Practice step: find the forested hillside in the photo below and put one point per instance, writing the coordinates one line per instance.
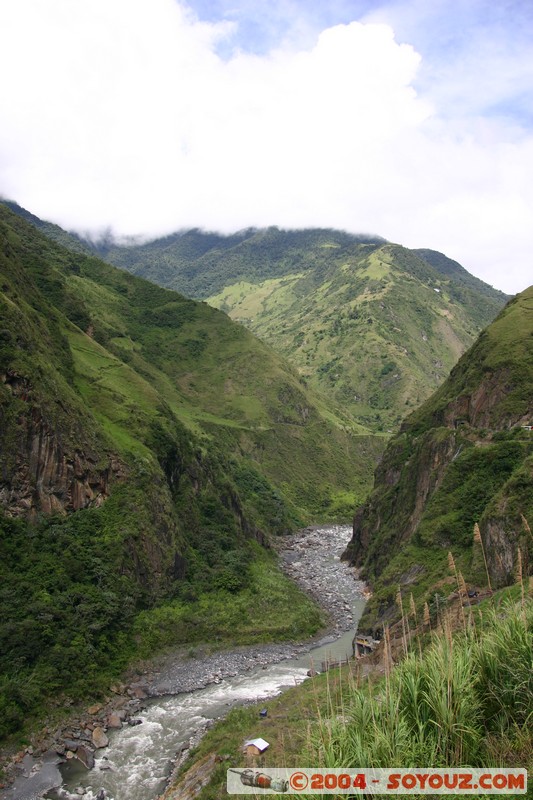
(464, 457)
(148, 449)
(373, 325)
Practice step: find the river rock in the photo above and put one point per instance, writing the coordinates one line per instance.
(71, 744)
(189, 674)
(27, 764)
(114, 721)
(86, 756)
(99, 738)
(138, 692)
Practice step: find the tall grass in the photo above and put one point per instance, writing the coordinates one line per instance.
(446, 707)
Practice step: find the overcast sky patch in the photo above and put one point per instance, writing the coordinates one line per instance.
(410, 120)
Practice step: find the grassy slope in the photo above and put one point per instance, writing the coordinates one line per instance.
(223, 384)
(216, 378)
(462, 701)
(375, 334)
(359, 318)
(436, 480)
(131, 374)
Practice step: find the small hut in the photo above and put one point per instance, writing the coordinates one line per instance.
(363, 645)
(255, 747)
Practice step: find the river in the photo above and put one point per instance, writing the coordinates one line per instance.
(138, 759)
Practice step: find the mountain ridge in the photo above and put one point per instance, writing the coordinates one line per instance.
(374, 326)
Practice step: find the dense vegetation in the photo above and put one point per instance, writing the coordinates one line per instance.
(373, 325)
(148, 447)
(74, 612)
(461, 700)
(462, 458)
(465, 700)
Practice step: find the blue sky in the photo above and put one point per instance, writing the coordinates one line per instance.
(491, 41)
(439, 30)
(412, 119)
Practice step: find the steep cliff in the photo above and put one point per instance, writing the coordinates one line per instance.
(464, 457)
(79, 454)
(52, 455)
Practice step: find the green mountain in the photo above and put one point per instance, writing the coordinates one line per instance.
(464, 457)
(70, 240)
(148, 447)
(375, 326)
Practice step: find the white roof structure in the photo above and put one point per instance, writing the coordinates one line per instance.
(259, 743)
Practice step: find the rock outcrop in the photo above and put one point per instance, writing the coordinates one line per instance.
(43, 471)
(465, 456)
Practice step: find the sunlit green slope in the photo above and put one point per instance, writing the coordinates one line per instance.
(375, 326)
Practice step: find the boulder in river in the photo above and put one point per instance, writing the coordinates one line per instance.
(86, 756)
(99, 738)
(138, 692)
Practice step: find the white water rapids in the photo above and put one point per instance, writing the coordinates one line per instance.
(138, 759)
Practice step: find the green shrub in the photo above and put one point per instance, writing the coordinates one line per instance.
(442, 707)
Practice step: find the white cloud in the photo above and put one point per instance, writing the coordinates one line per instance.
(121, 113)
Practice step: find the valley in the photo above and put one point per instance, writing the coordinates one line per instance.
(266, 399)
(150, 449)
(372, 325)
(156, 452)
(184, 692)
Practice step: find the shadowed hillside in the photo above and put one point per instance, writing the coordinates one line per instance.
(148, 447)
(464, 457)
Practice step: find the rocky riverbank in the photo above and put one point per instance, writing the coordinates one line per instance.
(35, 770)
(311, 558)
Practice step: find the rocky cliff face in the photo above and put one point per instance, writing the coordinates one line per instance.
(41, 471)
(463, 457)
(407, 486)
